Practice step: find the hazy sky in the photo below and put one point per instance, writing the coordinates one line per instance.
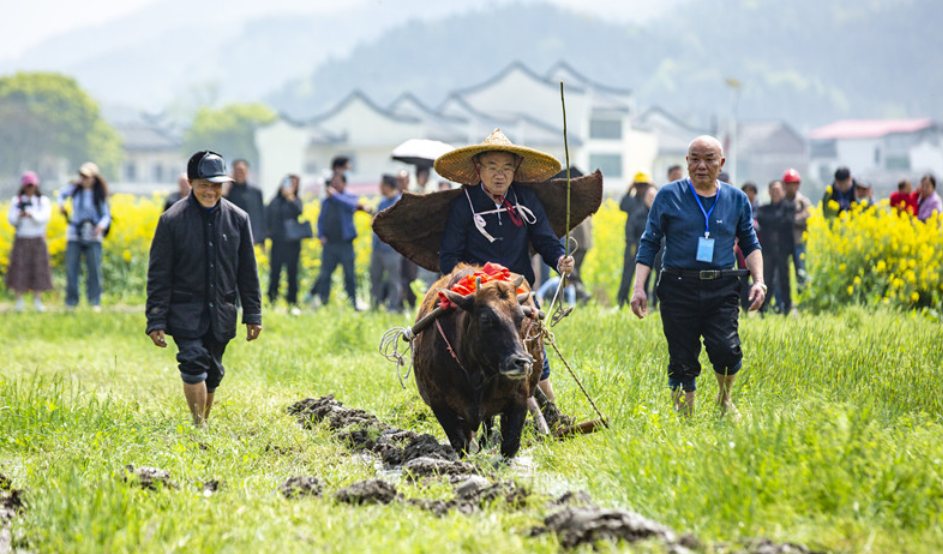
(25, 24)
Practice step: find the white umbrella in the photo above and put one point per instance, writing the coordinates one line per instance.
(420, 151)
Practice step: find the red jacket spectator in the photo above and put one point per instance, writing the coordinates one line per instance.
(904, 199)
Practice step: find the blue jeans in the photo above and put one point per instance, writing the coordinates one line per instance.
(93, 268)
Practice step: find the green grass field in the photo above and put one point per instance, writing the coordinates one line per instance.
(840, 446)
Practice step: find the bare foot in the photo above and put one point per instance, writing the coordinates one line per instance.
(728, 408)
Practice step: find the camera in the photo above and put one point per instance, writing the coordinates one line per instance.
(85, 230)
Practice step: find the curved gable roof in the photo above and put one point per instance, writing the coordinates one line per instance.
(509, 121)
(359, 97)
(644, 118)
(407, 105)
(565, 68)
(513, 67)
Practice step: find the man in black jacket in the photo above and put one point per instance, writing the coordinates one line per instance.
(249, 198)
(200, 257)
(775, 221)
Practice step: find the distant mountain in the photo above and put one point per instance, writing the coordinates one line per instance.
(806, 61)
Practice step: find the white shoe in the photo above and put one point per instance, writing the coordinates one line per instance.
(39, 306)
(96, 308)
(20, 305)
(295, 310)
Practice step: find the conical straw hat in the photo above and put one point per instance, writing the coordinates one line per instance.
(414, 225)
(458, 165)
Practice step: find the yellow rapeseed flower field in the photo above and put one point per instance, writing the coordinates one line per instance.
(125, 250)
(873, 256)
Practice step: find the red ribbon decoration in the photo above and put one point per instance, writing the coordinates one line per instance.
(467, 284)
(512, 213)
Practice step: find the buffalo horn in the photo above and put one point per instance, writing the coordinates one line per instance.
(524, 297)
(463, 302)
(518, 282)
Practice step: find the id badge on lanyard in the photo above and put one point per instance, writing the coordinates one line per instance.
(705, 244)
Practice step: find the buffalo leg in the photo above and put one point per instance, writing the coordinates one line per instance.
(512, 423)
(454, 428)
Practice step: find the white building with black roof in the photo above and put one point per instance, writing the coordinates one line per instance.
(524, 104)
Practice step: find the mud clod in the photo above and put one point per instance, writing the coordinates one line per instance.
(426, 446)
(578, 520)
(390, 445)
(372, 491)
(471, 486)
(302, 485)
(359, 439)
(473, 494)
(149, 478)
(432, 467)
(513, 494)
(311, 411)
(576, 526)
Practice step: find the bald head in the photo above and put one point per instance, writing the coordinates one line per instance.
(708, 141)
(705, 161)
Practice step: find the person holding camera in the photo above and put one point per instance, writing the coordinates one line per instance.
(286, 233)
(29, 260)
(88, 224)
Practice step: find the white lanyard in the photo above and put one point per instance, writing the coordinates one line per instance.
(525, 213)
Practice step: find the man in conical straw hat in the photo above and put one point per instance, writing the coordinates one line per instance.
(494, 221)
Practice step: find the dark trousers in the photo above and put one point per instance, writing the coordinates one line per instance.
(409, 273)
(332, 254)
(386, 279)
(691, 309)
(201, 360)
(776, 275)
(284, 253)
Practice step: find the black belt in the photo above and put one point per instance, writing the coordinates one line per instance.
(706, 274)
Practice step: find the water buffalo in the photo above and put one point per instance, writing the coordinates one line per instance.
(485, 367)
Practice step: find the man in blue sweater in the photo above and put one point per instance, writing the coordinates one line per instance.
(337, 232)
(700, 219)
